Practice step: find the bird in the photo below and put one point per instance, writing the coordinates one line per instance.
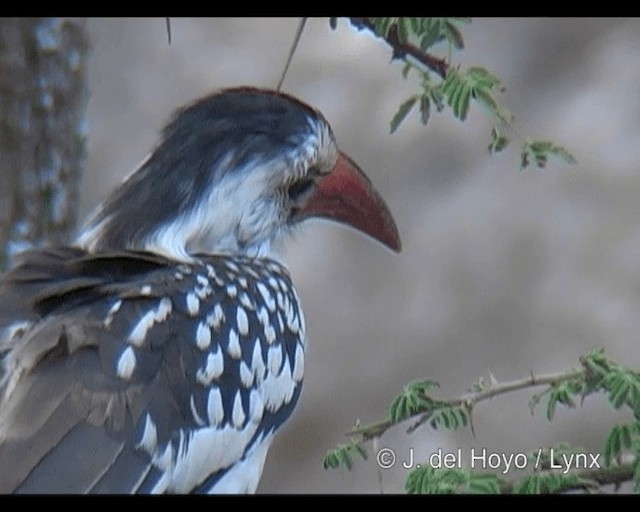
(164, 347)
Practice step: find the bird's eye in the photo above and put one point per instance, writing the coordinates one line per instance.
(300, 189)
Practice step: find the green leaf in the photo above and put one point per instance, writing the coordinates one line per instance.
(529, 484)
(484, 483)
(562, 153)
(405, 70)
(460, 87)
(620, 438)
(453, 35)
(428, 480)
(425, 108)
(437, 98)
(431, 33)
(415, 24)
(533, 403)
(540, 150)
(404, 28)
(382, 25)
(563, 393)
(413, 400)
(486, 98)
(342, 456)
(481, 78)
(402, 112)
(623, 387)
(499, 141)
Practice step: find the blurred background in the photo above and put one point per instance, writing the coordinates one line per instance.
(502, 270)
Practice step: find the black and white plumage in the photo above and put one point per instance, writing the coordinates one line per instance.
(163, 351)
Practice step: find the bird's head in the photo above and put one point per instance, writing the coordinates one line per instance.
(232, 173)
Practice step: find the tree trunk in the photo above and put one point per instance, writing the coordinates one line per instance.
(43, 95)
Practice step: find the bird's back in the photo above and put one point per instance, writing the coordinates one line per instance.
(130, 372)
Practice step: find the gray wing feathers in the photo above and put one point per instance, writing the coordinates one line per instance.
(122, 371)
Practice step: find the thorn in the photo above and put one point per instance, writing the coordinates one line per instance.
(492, 380)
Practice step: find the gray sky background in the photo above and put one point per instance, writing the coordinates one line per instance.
(502, 270)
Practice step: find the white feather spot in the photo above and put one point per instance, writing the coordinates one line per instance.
(213, 368)
(126, 363)
(274, 359)
(193, 304)
(227, 449)
(273, 267)
(246, 375)
(164, 462)
(266, 296)
(216, 318)
(263, 316)
(292, 320)
(278, 389)
(298, 364)
(256, 406)
(242, 321)
(115, 308)
(203, 336)
(112, 312)
(238, 416)
(257, 361)
(280, 322)
(273, 283)
(164, 308)
(286, 303)
(269, 333)
(194, 412)
(215, 410)
(145, 290)
(232, 291)
(231, 266)
(202, 280)
(251, 272)
(242, 281)
(234, 349)
(288, 381)
(139, 332)
(246, 301)
(204, 292)
(149, 440)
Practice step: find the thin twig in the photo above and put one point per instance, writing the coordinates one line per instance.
(296, 40)
(610, 475)
(469, 400)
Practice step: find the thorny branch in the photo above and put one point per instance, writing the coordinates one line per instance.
(470, 399)
(402, 50)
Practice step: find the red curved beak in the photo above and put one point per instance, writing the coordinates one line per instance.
(346, 195)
